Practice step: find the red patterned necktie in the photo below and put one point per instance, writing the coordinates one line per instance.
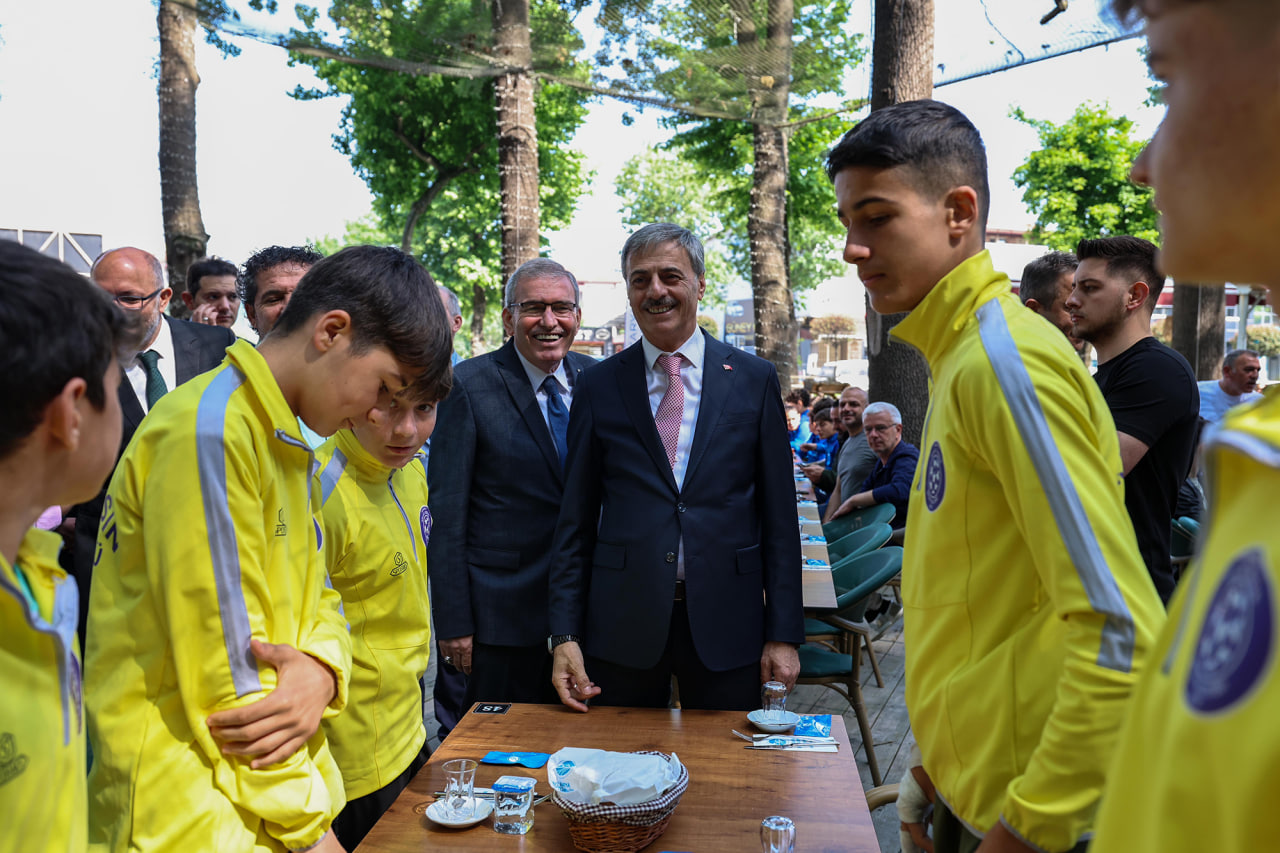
(671, 409)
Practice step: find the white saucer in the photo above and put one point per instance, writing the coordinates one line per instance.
(483, 808)
(789, 720)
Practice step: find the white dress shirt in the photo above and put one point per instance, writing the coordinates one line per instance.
(694, 350)
(537, 377)
(137, 374)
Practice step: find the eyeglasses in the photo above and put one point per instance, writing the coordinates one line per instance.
(560, 309)
(128, 300)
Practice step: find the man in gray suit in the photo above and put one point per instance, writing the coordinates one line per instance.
(496, 475)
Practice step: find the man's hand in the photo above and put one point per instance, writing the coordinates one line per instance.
(457, 652)
(328, 844)
(1000, 840)
(813, 471)
(844, 509)
(780, 662)
(569, 676)
(277, 725)
(205, 315)
(807, 447)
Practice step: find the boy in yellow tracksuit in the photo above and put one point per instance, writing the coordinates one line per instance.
(209, 548)
(373, 514)
(1028, 612)
(1195, 766)
(59, 432)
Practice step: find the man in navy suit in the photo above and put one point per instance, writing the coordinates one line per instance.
(677, 551)
(173, 351)
(496, 476)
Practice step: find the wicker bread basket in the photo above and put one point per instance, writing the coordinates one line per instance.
(608, 828)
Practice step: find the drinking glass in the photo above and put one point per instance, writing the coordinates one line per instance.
(773, 699)
(459, 786)
(777, 835)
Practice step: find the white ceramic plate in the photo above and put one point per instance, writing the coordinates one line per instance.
(771, 724)
(437, 812)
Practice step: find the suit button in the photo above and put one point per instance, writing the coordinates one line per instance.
(671, 557)
(679, 507)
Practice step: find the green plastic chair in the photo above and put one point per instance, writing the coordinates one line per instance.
(840, 671)
(858, 519)
(858, 542)
(1186, 531)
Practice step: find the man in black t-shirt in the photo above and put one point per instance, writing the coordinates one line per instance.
(1149, 388)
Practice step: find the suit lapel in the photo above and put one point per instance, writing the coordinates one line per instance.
(130, 410)
(185, 351)
(717, 384)
(526, 403)
(634, 387)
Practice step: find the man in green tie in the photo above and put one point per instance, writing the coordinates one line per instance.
(173, 351)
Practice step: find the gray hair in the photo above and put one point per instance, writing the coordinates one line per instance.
(888, 408)
(538, 268)
(1229, 360)
(1040, 277)
(455, 307)
(660, 233)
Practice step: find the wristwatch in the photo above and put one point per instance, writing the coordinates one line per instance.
(557, 639)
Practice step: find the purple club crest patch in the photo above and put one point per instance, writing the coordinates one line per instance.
(424, 521)
(1233, 650)
(935, 478)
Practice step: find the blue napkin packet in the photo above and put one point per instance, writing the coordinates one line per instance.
(532, 760)
(813, 725)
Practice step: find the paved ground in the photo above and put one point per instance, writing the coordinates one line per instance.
(886, 708)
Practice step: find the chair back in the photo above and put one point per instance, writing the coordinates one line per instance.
(1185, 532)
(858, 542)
(844, 525)
(856, 578)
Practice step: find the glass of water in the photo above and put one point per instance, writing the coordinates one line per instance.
(513, 805)
(777, 835)
(773, 699)
(459, 788)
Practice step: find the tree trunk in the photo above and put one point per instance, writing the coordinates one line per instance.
(517, 136)
(185, 240)
(769, 83)
(1199, 326)
(901, 70)
(479, 301)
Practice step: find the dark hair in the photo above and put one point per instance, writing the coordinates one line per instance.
(935, 141)
(659, 234)
(1128, 256)
(56, 326)
(209, 266)
(799, 395)
(1229, 360)
(393, 303)
(1040, 277)
(272, 256)
(817, 416)
(820, 404)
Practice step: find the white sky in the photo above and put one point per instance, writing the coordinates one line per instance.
(78, 136)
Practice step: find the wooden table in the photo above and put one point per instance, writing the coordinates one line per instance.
(731, 789)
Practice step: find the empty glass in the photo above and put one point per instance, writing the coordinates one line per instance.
(777, 835)
(773, 700)
(459, 786)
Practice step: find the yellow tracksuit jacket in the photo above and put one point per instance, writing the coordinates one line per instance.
(1028, 611)
(208, 539)
(376, 526)
(1196, 765)
(42, 785)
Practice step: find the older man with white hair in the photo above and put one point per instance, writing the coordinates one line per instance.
(890, 481)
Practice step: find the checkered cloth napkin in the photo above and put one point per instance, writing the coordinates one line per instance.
(639, 814)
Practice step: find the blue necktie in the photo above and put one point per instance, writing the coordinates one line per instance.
(557, 417)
